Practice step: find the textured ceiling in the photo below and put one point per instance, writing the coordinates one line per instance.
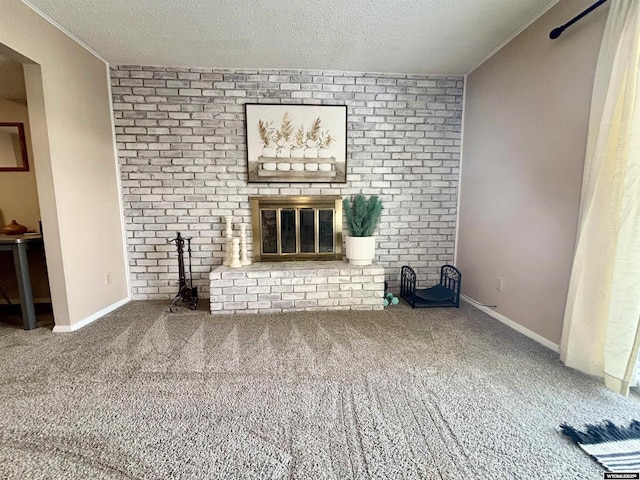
(398, 36)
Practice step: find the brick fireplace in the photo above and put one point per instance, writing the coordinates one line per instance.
(183, 163)
(297, 247)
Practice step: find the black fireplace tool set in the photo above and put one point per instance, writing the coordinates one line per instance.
(187, 294)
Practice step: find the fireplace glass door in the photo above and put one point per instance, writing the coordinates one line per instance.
(298, 229)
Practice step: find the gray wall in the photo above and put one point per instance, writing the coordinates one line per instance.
(525, 129)
(181, 140)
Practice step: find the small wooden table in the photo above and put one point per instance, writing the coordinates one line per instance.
(19, 244)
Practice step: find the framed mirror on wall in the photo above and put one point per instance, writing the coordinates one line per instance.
(13, 148)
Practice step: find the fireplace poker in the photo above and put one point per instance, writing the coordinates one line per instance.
(187, 293)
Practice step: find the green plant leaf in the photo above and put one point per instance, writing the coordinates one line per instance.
(363, 216)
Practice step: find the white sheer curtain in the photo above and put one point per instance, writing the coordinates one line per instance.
(601, 331)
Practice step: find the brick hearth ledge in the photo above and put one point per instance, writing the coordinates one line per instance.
(269, 287)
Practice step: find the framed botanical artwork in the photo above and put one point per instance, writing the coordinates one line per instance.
(296, 143)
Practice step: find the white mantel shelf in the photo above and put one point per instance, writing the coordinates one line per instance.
(270, 287)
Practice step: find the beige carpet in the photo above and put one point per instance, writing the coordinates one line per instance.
(145, 394)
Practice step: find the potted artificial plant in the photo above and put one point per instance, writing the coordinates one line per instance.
(363, 217)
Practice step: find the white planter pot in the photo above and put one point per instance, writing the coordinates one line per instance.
(324, 167)
(324, 153)
(297, 167)
(311, 167)
(297, 152)
(269, 166)
(269, 152)
(283, 153)
(310, 153)
(285, 166)
(361, 250)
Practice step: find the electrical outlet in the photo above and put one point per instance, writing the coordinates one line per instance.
(499, 283)
(107, 278)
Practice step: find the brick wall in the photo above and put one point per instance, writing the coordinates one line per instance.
(182, 154)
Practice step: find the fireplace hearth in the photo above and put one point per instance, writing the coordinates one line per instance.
(296, 228)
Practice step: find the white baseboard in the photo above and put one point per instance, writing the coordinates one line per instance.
(516, 326)
(91, 318)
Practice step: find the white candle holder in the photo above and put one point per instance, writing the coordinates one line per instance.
(243, 245)
(235, 253)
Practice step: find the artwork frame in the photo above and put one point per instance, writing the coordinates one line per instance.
(13, 146)
(296, 143)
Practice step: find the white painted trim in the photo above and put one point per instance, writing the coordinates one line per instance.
(514, 35)
(457, 235)
(90, 318)
(64, 30)
(123, 230)
(516, 326)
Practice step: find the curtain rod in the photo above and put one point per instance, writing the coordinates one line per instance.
(556, 32)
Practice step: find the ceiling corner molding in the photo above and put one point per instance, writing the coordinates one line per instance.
(65, 31)
(513, 35)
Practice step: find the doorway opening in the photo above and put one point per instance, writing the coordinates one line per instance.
(25, 297)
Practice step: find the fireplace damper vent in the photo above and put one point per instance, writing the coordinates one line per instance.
(296, 228)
